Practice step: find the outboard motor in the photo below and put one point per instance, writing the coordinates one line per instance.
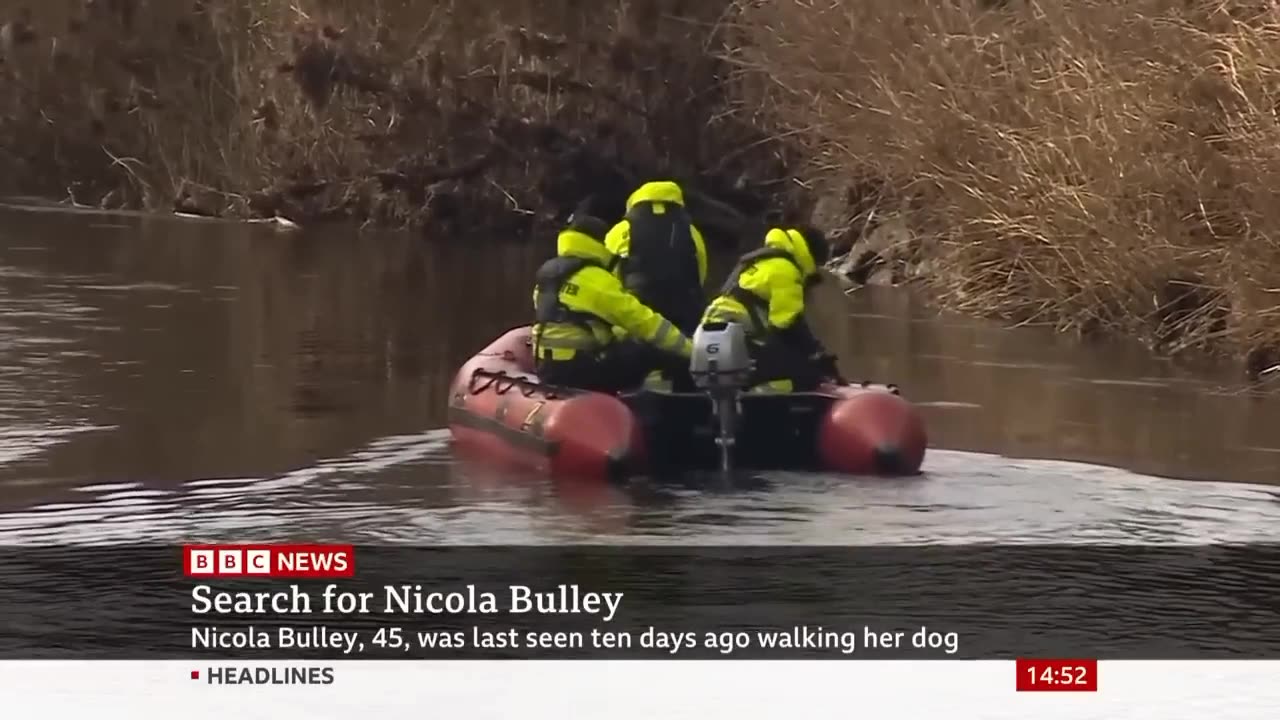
(721, 367)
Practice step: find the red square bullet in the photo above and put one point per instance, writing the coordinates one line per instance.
(195, 674)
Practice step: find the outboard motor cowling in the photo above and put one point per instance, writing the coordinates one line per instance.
(720, 356)
(721, 367)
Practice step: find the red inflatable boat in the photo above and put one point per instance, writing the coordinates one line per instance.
(499, 412)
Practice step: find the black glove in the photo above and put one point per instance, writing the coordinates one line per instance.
(828, 365)
(801, 337)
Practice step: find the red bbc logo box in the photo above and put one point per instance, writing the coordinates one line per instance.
(268, 561)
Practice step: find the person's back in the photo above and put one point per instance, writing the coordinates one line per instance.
(766, 293)
(663, 254)
(580, 306)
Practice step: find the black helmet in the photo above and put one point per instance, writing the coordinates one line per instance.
(816, 240)
(588, 225)
(593, 205)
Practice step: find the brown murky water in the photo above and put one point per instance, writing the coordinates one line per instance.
(165, 379)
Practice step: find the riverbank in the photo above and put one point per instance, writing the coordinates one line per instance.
(1098, 169)
(430, 115)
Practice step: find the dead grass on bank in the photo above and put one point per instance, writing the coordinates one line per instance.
(386, 111)
(112, 102)
(1091, 164)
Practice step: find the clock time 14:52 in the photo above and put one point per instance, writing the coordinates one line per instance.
(1057, 675)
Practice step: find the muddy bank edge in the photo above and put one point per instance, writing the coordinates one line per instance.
(1056, 165)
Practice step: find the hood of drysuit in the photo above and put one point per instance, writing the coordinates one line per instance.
(581, 239)
(792, 242)
(658, 191)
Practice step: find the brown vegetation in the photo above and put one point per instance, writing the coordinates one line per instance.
(388, 111)
(1090, 164)
(1094, 165)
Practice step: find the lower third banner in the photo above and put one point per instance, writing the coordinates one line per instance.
(653, 602)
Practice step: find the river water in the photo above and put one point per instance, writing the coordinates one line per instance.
(166, 379)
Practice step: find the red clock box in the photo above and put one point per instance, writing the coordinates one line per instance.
(1057, 675)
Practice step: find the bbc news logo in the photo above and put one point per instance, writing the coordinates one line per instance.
(268, 561)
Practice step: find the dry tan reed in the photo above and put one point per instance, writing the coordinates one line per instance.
(1087, 163)
(1091, 164)
(381, 110)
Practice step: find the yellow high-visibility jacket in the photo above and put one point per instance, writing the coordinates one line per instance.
(580, 305)
(655, 194)
(765, 291)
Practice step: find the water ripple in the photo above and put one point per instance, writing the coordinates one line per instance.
(965, 498)
(180, 346)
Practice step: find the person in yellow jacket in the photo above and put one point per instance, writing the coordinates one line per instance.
(663, 257)
(766, 293)
(581, 311)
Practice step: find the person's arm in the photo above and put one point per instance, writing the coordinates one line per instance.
(700, 247)
(786, 295)
(606, 298)
(786, 311)
(618, 242)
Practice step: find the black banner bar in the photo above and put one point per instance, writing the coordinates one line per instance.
(1112, 602)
